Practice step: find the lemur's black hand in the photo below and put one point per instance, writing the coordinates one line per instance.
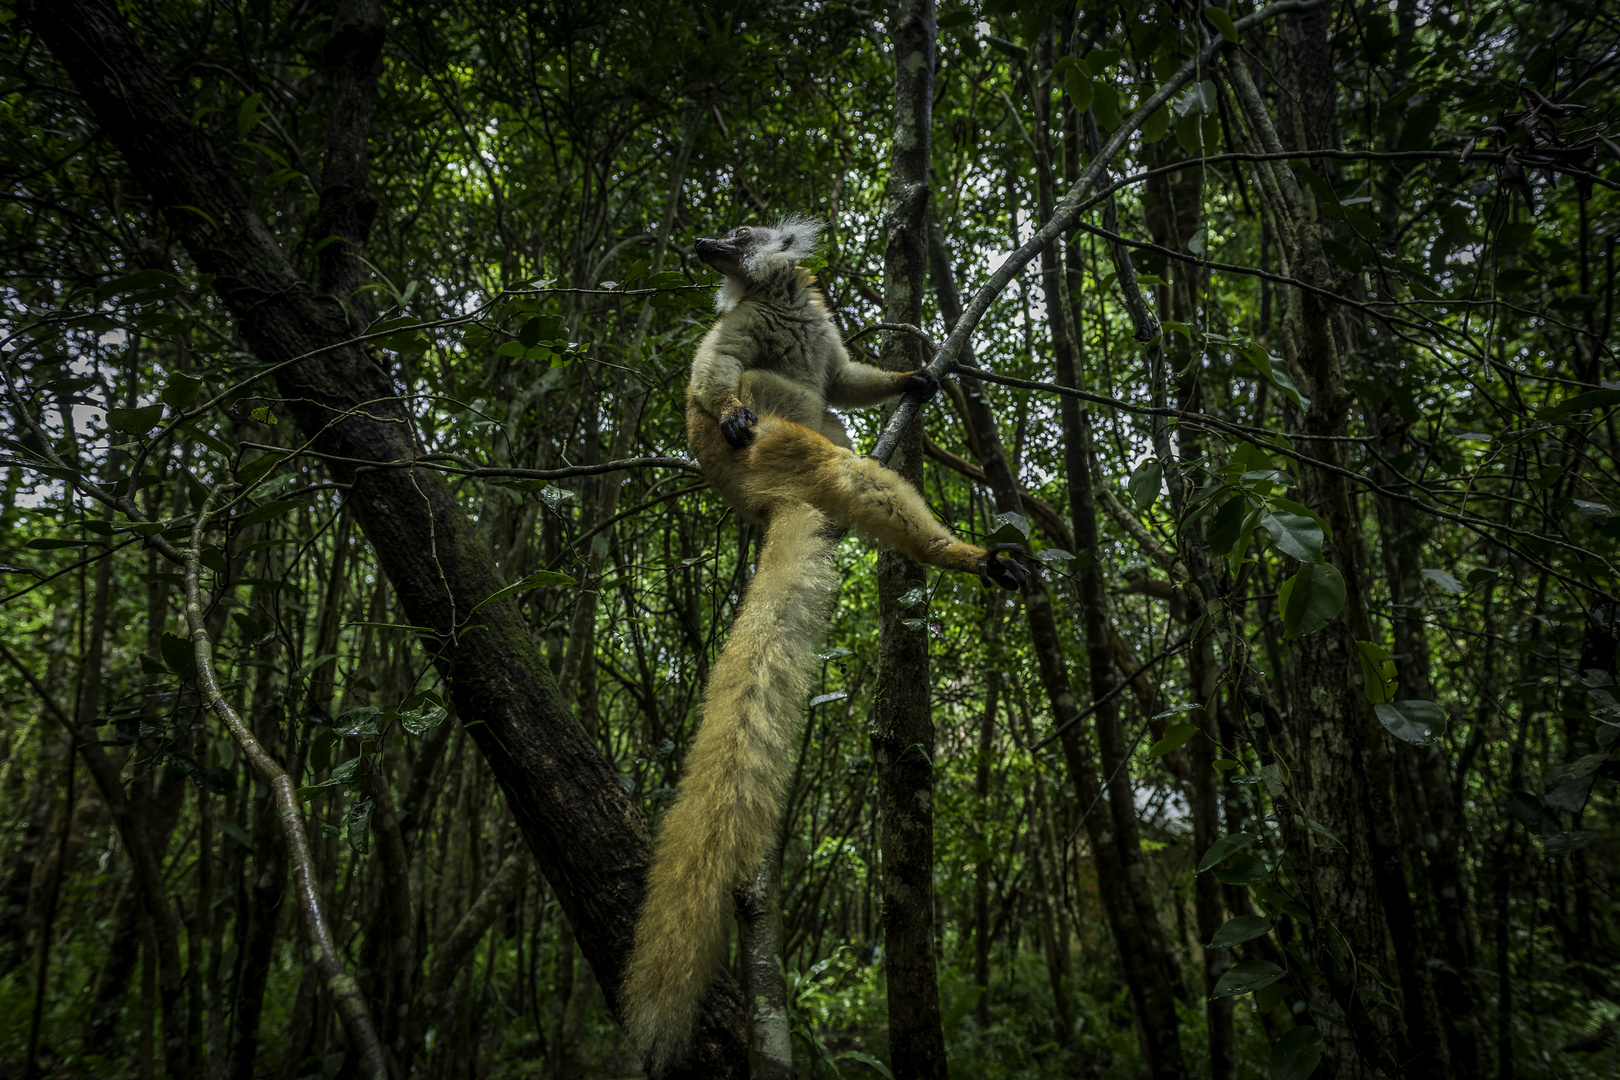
(922, 383)
(998, 569)
(737, 426)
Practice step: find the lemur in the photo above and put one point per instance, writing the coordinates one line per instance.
(759, 422)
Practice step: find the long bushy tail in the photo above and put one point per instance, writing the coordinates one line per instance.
(729, 802)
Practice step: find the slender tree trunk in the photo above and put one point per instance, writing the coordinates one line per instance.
(902, 722)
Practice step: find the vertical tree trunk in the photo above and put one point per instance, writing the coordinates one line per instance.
(902, 723)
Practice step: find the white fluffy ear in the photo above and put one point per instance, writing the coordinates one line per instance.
(796, 237)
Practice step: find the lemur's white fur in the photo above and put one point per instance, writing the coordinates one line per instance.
(779, 247)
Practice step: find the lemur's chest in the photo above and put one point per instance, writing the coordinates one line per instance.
(803, 345)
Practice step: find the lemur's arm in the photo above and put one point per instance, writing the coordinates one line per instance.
(854, 386)
(715, 376)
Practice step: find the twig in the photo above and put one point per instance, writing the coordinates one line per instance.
(1064, 216)
(346, 996)
(1119, 688)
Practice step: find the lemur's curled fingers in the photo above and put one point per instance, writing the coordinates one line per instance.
(923, 383)
(996, 568)
(737, 426)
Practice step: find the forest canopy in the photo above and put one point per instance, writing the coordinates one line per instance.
(359, 588)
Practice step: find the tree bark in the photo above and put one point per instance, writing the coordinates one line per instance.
(902, 721)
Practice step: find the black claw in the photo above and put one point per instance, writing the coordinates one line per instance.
(997, 568)
(737, 427)
(922, 383)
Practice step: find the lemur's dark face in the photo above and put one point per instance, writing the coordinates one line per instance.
(727, 253)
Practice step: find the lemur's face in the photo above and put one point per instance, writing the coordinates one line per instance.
(728, 253)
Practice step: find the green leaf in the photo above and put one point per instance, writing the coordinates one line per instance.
(422, 714)
(1567, 842)
(1295, 535)
(1244, 869)
(1311, 599)
(1225, 533)
(358, 826)
(269, 511)
(1419, 130)
(1247, 977)
(1224, 848)
(1529, 811)
(1220, 20)
(1297, 1054)
(257, 469)
(1174, 738)
(340, 775)
(1580, 403)
(358, 723)
(1105, 105)
(179, 655)
(1241, 929)
(1145, 482)
(310, 665)
(135, 421)
(236, 832)
(1418, 722)
(1078, 85)
(1100, 61)
(264, 414)
(540, 328)
(181, 390)
(1007, 48)
(1377, 671)
(1018, 523)
(865, 1059)
(248, 114)
(536, 580)
(914, 595)
(1157, 125)
(1445, 581)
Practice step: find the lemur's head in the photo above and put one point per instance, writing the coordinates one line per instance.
(754, 253)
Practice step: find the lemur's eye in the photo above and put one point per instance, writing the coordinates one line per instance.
(743, 233)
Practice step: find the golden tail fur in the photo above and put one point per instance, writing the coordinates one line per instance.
(736, 776)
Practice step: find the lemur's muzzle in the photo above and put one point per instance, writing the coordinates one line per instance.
(709, 248)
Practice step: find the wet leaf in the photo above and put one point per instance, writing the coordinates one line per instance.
(1224, 848)
(1247, 977)
(1297, 1054)
(1417, 722)
(1241, 929)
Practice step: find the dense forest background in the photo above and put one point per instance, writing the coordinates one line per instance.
(344, 680)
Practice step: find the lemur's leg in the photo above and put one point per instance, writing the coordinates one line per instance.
(790, 464)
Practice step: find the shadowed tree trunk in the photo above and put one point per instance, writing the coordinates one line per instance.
(579, 822)
(902, 722)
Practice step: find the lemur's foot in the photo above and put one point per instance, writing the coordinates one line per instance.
(996, 568)
(737, 426)
(923, 383)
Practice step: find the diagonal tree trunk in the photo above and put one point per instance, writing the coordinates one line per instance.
(585, 833)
